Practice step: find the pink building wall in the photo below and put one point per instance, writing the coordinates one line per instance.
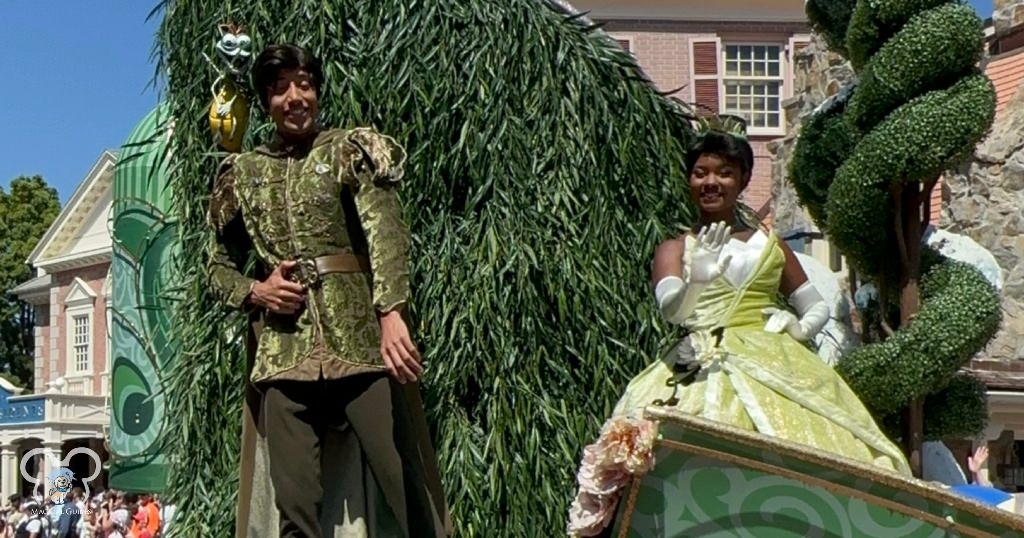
(662, 48)
(56, 331)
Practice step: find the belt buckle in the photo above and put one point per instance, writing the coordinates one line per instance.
(305, 272)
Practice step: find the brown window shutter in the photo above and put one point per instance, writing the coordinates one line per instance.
(705, 58)
(706, 95)
(705, 75)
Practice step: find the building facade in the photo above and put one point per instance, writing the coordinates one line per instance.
(731, 57)
(68, 406)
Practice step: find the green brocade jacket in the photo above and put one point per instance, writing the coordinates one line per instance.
(335, 195)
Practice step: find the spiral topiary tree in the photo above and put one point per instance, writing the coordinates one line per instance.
(543, 168)
(865, 166)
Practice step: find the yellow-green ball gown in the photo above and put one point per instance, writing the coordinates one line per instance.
(762, 381)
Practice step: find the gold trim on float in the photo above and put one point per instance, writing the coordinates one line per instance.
(627, 518)
(828, 460)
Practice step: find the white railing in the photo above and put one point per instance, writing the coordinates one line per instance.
(81, 386)
(77, 408)
(85, 385)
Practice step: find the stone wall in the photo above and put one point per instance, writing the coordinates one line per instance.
(1007, 15)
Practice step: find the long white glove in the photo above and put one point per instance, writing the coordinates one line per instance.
(677, 298)
(814, 314)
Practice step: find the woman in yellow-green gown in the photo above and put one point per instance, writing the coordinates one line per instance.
(744, 361)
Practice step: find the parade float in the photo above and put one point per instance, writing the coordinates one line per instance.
(577, 159)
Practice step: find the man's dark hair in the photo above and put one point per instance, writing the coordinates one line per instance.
(276, 58)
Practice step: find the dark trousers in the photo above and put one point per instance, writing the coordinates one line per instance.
(297, 416)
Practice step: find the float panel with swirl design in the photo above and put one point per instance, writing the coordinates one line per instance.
(712, 480)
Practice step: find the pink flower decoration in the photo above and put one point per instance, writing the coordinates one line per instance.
(624, 449)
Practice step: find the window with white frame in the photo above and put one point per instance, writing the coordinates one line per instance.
(78, 361)
(81, 341)
(753, 82)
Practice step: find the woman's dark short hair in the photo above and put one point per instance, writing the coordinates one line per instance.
(726, 146)
(276, 58)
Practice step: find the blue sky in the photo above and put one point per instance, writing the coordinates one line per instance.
(74, 83)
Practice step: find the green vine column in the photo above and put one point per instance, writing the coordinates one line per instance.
(543, 169)
(865, 165)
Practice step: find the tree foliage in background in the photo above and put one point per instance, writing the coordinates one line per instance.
(26, 212)
(865, 166)
(543, 169)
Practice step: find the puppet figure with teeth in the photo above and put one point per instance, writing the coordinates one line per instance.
(229, 111)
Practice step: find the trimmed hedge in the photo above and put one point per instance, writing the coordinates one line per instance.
(960, 312)
(921, 56)
(915, 143)
(825, 142)
(919, 107)
(959, 410)
(873, 22)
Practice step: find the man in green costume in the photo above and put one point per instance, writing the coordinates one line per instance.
(317, 214)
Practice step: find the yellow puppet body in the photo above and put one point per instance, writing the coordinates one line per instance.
(229, 111)
(229, 116)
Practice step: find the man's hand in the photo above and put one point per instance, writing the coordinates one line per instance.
(397, 349)
(278, 294)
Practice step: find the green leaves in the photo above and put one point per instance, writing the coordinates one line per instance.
(542, 171)
(915, 143)
(875, 21)
(923, 55)
(960, 410)
(26, 212)
(825, 142)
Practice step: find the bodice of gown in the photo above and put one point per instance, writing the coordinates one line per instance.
(749, 284)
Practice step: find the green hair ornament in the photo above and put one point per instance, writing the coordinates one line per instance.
(729, 124)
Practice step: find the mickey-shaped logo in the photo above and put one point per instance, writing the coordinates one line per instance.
(61, 479)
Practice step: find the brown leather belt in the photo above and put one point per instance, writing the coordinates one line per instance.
(308, 271)
(342, 263)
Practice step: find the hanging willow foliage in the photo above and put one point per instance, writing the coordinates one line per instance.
(543, 169)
